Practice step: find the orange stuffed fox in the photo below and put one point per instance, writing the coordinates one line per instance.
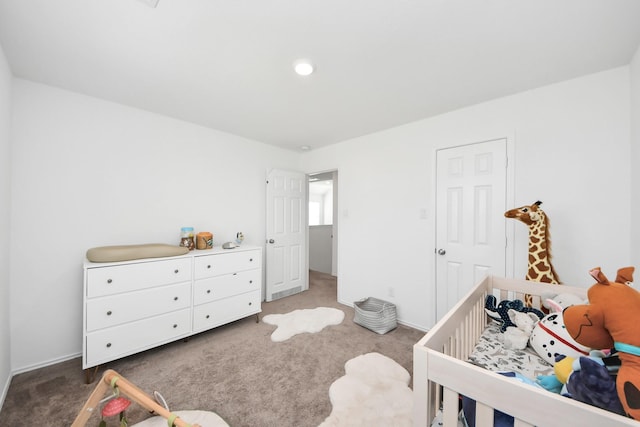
(612, 320)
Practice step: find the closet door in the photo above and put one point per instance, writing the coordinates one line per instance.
(470, 226)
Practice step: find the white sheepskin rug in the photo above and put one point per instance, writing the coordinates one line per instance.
(373, 392)
(301, 321)
(203, 418)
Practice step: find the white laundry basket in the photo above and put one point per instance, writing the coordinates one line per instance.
(375, 314)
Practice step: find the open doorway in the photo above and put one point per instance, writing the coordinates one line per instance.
(323, 227)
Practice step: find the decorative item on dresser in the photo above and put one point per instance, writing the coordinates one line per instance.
(132, 306)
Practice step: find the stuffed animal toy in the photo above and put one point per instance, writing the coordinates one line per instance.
(590, 382)
(500, 312)
(550, 339)
(561, 372)
(586, 379)
(612, 320)
(517, 337)
(552, 301)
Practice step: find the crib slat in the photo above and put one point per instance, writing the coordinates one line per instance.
(438, 396)
(449, 407)
(484, 415)
(458, 341)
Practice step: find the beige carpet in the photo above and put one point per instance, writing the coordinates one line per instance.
(235, 371)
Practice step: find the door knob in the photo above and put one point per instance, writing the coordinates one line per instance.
(441, 252)
(271, 241)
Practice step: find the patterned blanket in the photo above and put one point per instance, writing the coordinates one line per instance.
(490, 354)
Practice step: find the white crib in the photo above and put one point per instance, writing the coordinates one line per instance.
(441, 373)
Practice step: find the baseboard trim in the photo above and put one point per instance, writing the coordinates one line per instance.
(413, 326)
(5, 390)
(44, 364)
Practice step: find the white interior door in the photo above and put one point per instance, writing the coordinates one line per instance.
(470, 227)
(286, 248)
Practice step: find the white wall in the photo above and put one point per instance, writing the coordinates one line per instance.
(571, 149)
(87, 172)
(320, 248)
(635, 161)
(91, 173)
(5, 203)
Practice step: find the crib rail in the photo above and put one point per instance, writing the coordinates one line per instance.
(441, 375)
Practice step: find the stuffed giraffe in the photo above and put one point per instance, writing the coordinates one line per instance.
(540, 268)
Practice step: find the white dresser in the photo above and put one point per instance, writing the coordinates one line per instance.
(133, 306)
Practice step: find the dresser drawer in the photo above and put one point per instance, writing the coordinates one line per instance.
(216, 313)
(226, 262)
(114, 310)
(130, 277)
(215, 288)
(112, 343)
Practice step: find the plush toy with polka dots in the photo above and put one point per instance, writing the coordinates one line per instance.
(550, 339)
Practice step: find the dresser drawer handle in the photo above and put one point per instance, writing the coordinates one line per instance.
(108, 345)
(175, 298)
(109, 280)
(209, 266)
(250, 259)
(250, 281)
(176, 271)
(175, 325)
(208, 291)
(207, 316)
(250, 303)
(109, 313)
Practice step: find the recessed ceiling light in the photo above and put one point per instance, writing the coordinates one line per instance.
(303, 67)
(305, 148)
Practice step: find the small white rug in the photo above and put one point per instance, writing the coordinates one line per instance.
(301, 321)
(373, 392)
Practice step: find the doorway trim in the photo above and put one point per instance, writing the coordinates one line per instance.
(335, 225)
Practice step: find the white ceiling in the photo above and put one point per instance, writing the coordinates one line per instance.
(380, 63)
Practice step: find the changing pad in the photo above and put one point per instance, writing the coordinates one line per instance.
(130, 252)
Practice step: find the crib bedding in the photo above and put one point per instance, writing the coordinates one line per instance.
(490, 353)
